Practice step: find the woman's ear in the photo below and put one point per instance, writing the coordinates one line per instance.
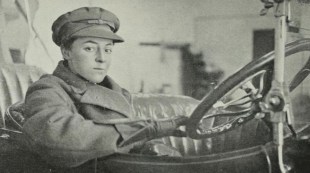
(65, 53)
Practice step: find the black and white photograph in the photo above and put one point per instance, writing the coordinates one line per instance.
(154, 86)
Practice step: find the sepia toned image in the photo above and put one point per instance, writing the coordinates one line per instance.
(142, 86)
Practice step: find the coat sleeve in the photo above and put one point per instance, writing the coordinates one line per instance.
(58, 133)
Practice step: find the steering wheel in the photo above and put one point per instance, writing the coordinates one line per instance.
(253, 81)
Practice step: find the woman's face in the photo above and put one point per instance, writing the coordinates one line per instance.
(90, 57)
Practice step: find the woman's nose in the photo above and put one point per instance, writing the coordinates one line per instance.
(100, 56)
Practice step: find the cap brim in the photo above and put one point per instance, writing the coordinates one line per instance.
(98, 31)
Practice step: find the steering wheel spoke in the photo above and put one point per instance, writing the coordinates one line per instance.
(250, 95)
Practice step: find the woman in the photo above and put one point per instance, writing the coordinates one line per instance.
(74, 114)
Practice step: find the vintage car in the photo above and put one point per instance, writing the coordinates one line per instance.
(226, 133)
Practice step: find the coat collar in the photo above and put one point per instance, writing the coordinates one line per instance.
(107, 94)
(79, 85)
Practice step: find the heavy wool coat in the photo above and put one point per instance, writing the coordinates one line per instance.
(65, 118)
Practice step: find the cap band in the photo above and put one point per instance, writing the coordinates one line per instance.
(98, 22)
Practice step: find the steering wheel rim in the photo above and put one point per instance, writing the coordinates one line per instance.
(263, 64)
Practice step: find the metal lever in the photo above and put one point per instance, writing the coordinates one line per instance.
(277, 98)
(267, 5)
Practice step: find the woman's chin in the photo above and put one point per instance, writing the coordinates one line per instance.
(96, 79)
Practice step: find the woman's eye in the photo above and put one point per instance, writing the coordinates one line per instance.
(89, 49)
(108, 51)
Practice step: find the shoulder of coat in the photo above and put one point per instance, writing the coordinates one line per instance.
(48, 81)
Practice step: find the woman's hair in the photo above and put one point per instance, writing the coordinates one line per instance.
(68, 43)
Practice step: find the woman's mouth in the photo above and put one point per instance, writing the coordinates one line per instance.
(99, 68)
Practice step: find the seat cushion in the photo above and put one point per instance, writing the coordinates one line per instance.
(14, 82)
(14, 118)
(162, 106)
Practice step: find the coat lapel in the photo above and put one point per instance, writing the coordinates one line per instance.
(107, 98)
(113, 98)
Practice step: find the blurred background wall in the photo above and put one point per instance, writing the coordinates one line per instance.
(158, 34)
